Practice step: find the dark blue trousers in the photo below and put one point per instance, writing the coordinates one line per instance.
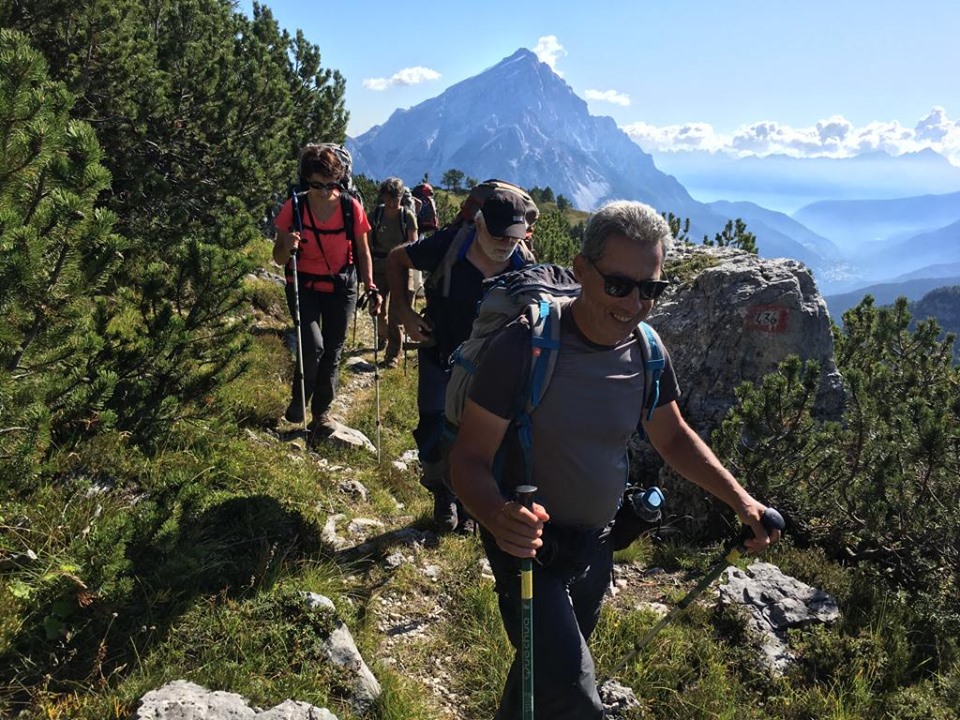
(433, 375)
(567, 593)
(324, 317)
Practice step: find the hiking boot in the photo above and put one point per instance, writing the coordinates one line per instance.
(444, 512)
(323, 427)
(294, 412)
(391, 361)
(466, 525)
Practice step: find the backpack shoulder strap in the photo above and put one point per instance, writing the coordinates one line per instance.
(346, 207)
(440, 278)
(651, 348)
(544, 319)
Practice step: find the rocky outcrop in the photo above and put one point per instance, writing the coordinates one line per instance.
(182, 700)
(775, 603)
(735, 322)
(732, 322)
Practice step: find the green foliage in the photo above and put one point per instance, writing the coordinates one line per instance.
(542, 195)
(453, 181)
(563, 203)
(734, 234)
(448, 206)
(554, 240)
(57, 254)
(943, 305)
(880, 489)
(199, 111)
(680, 228)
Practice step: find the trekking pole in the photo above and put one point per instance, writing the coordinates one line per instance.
(295, 197)
(525, 498)
(353, 343)
(376, 378)
(771, 520)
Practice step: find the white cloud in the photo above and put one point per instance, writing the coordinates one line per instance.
(548, 49)
(831, 137)
(689, 136)
(610, 96)
(407, 76)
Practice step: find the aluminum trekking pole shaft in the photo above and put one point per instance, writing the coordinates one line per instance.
(353, 343)
(771, 520)
(376, 378)
(296, 311)
(525, 498)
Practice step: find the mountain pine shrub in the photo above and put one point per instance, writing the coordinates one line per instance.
(57, 254)
(879, 490)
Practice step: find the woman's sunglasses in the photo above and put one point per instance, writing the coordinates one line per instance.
(323, 186)
(619, 286)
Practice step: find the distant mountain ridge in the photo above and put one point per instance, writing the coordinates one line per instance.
(886, 293)
(787, 183)
(852, 223)
(520, 121)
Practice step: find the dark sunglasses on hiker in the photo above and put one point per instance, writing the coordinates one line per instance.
(619, 286)
(323, 186)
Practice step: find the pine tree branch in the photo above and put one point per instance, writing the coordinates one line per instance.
(40, 312)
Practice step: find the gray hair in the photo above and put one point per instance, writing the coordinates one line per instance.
(639, 222)
(392, 187)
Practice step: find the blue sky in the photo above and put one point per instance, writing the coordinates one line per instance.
(744, 76)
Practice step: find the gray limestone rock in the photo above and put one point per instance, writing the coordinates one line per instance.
(775, 603)
(183, 700)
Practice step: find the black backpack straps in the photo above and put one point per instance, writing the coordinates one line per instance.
(346, 207)
(440, 276)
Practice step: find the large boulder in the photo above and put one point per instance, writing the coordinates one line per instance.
(734, 321)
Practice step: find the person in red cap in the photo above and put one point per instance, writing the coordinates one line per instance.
(427, 217)
(491, 245)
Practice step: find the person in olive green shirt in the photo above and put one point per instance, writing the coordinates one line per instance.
(392, 225)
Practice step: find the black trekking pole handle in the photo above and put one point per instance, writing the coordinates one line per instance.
(770, 520)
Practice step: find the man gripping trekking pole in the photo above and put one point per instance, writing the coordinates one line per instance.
(578, 456)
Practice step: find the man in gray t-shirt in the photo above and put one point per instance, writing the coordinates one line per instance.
(580, 433)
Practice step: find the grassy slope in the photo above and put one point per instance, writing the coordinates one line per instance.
(189, 564)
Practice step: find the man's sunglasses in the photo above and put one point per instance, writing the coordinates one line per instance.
(323, 186)
(619, 286)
